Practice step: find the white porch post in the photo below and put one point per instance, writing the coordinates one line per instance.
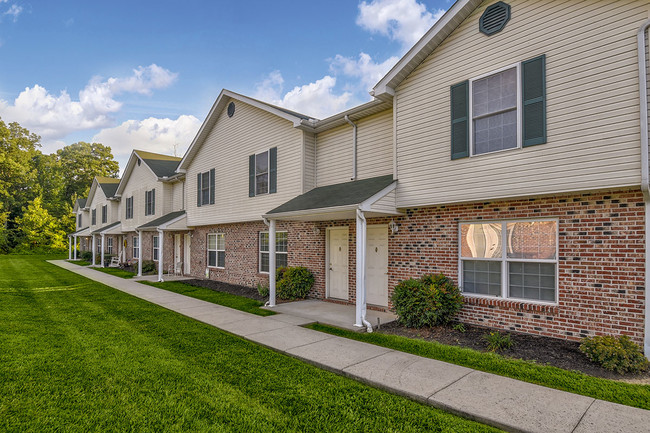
(94, 249)
(161, 236)
(69, 247)
(272, 263)
(102, 254)
(361, 269)
(140, 253)
(75, 248)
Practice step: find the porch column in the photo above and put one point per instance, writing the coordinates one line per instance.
(94, 249)
(161, 236)
(75, 247)
(361, 269)
(139, 253)
(272, 263)
(102, 254)
(69, 247)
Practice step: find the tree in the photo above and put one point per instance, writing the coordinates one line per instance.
(38, 230)
(80, 163)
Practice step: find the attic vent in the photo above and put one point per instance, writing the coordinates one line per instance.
(231, 109)
(494, 18)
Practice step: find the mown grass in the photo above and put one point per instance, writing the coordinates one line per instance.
(78, 356)
(117, 272)
(552, 377)
(80, 262)
(222, 298)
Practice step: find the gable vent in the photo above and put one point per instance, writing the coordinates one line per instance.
(494, 18)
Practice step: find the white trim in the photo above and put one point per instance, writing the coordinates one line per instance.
(155, 248)
(268, 172)
(328, 231)
(505, 283)
(259, 249)
(367, 203)
(133, 247)
(216, 250)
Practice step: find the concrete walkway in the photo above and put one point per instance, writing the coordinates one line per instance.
(494, 400)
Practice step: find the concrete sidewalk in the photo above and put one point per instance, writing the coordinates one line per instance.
(506, 403)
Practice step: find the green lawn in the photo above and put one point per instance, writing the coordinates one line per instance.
(80, 262)
(552, 377)
(77, 356)
(221, 298)
(117, 272)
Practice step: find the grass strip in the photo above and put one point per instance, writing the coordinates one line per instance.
(527, 371)
(95, 359)
(79, 262)
(222, 298)
(117, 272)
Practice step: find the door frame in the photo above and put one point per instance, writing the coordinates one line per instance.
(386, 228)
(327, 261)
(187, 253)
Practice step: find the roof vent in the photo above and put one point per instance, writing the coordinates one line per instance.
(231, 109)
(494, 18)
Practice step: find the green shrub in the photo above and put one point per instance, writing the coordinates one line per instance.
(263, 290)
(427, 301)
(87, 256)
(148, 266)
(293, 282)
(618, 354)
(459, 327)
(497, 341)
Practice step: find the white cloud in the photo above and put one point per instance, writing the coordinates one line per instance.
(168, 136)
(13, 11)
(404, 21)
(317, 99)
(364, 68)
(54, 117)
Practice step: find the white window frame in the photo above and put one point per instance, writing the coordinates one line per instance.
(155, 253)
(109, 245)
(93, 217)
(136, 247)
(505, 275)
(260, 252)
(79, 217)
(519, 110)
(268, 172)
(104, 214)
(216, 250)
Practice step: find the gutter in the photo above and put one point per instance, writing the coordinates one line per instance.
(354, 147)
(645, 177)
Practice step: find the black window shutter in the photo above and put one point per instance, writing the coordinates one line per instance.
(460, 120)
(533, 83)
(251, 176)
(212, 186)
(146, 203)
(273, 170)
(198, 190)
(153, 202)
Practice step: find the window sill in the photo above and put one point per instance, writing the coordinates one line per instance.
(510, 304)
(216, 267)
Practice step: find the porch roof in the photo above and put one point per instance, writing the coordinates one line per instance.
(81, 232)
(171, 221)
(105, 229)
(340, 201)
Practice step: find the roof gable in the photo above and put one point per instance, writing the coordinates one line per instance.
(159, 165)
(107, 185)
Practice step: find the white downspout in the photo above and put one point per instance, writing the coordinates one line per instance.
(75, 248)
(139, 253)
(354, 147)
(272, 263)
(94, 249)
(645, 181)
(102, 254)
(69, 247)
(361, 273)
(161, 236)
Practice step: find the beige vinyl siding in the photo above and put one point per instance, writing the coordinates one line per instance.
(99, 200)
(592, 105)
(385, 204)
(309, 161)
(374, 150)
(227, 148)
(141, 180)
(178, 195)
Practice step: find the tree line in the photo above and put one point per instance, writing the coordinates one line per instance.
(38, 191)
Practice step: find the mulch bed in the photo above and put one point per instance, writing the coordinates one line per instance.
(234, 289)
(543, 350)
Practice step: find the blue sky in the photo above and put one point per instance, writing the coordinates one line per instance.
(143, 74)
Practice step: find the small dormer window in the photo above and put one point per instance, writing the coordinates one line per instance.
(494, 19)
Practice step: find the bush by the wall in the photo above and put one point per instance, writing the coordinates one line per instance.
(293, 282)
(263, 290)
(427, 301)
(87, 256)
(148, 266)
(618, 354)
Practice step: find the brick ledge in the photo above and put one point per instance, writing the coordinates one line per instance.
(513, 305)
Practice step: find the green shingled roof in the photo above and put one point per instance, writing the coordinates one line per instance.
(162, 220)
(341, 194)
(109, 226)
(162, 168)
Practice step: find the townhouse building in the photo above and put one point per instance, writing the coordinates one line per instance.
(508, 149)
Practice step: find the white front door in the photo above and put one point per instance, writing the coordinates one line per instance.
(186, 254)
(177, 250)
(337, 274)
(377, 265)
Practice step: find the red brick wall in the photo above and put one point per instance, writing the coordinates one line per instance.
(601, 261)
